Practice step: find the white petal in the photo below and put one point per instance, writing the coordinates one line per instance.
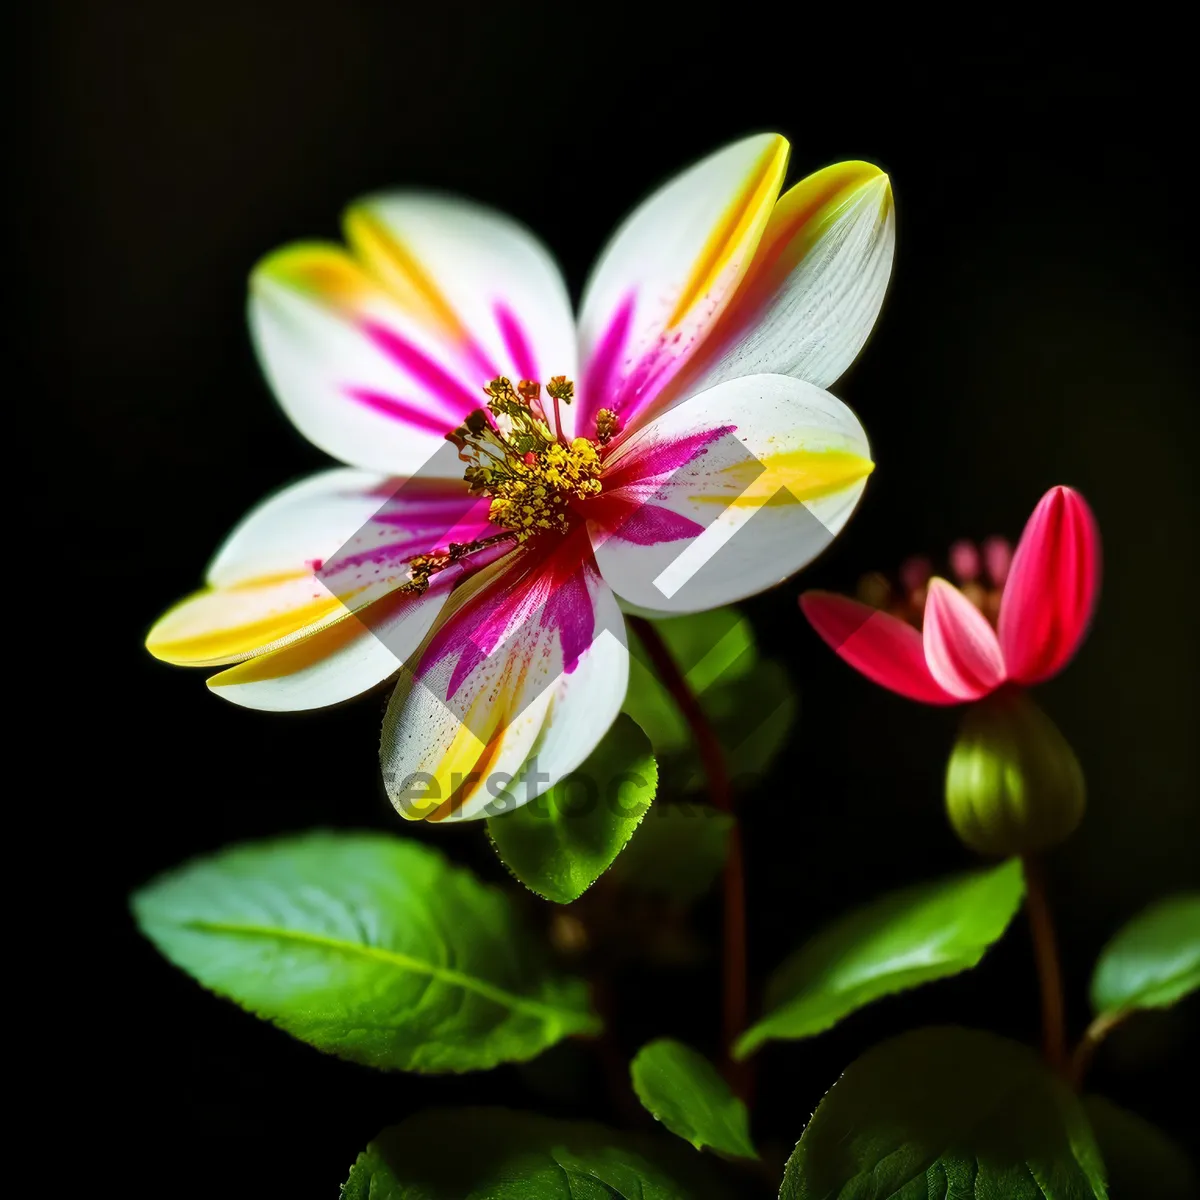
(378, 352)
(337, 663)
(811, 298)
(668, 272)
(305, 521)
(327, 365)
(507, 674)
(263, 585)
(584, 704)
(498, 280)
(308, 556)
(766, 470)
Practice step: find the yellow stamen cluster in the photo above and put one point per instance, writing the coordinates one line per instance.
(608, 424)
(516, 459)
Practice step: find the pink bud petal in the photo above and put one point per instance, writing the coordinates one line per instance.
(964, 561)
(886, 650)
(997, 557)
(914, 573)
(1052, 587)
(960, 647)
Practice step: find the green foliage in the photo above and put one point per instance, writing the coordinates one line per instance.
(944, 1113)
(559, 844)
(1143, 1163)
(495, 1154)
(752, 717)
(901, 940)
(711, 648)
(1153, 961)
(684, 1091)
(366, 946)
(750, 703)
(677, 851)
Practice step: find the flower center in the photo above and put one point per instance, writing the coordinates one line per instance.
(514, 455)
(528, 469)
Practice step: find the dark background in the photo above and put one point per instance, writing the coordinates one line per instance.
(1038, 331)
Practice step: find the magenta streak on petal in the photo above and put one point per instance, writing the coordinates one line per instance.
(417, 537)
(394, 557)
(479, 628)
(631, 388)
(467, 661)
(401, 410)
(520, 352)
(456, 511)
(456, 397)
(462, 634)
(523, 607)
(653, 371)
(411, 521)
(392, 554)
(481, 364)
(644, 474)
(648, 524)
(662, 457)
(570, 609)
(431, 503)
(601, 369)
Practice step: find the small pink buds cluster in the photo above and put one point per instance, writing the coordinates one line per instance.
(980, 572)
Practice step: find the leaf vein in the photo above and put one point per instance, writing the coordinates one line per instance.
(392, 958)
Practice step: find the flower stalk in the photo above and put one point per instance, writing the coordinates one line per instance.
(720, 791)
(1045, 951)
(1095, 1033)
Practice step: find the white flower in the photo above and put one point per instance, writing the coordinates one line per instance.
(489, 564)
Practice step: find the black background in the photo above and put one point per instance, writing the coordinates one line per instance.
(1037, 332)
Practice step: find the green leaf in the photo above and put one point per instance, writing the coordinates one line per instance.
(710, 648)
(366, 946)
(1153, 961)
(677, 851)
(751, 704)
(559, 844)
(940, 1114)
(684, 1091)
(901, 940)
(752, 717)
(1143, 1163)
(495, 1154)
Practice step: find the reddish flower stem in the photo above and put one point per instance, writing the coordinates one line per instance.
(1095, 1033)
(1045, 952)
(734, 1004)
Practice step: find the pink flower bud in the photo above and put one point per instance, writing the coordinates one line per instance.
(915, 573)
(964, 561)
(997, 557)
